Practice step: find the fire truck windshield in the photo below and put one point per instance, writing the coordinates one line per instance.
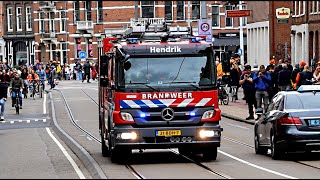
(169, 71)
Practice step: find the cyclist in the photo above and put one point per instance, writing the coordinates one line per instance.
(42, 75)
(33, 78)
(16, 86)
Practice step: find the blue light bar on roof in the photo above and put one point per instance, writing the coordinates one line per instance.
(132, 40)
(305, 88)
(195, 39)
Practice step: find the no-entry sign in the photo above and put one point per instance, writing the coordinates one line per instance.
(205, 28)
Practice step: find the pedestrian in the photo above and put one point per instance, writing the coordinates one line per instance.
(304, 77)
(316, 75)
(52, 77)
(4, 84)
(94, 71)
(284, 78)
(78, 70)
(273, 90)
(67, 71)
(294, 74)
(262, 81)
(86, 69)
(234, 77)
(246, 81)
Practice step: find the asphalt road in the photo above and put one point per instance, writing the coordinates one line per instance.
(236, 156)
(29, 149)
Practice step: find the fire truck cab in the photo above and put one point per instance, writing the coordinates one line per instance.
(158, 89)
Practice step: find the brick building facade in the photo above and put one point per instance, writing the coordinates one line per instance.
(64, 28)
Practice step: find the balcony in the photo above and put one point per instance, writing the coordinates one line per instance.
(46, 6)
(84, 25)
(48, 37)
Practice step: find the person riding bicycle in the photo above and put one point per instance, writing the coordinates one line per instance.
(16, 86)
(33, 78)
(42, 75)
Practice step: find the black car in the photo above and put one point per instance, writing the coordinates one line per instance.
(291, 123)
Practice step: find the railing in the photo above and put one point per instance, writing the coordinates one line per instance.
(48, 34)
(84, 25)
(144, 21)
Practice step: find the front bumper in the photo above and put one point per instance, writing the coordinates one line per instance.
(295, 140)
(147, 139)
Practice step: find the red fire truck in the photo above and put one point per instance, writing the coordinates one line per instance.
(158, 89)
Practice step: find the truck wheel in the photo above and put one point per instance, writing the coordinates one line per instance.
(119, 155)
(185, 151)
(211, 153)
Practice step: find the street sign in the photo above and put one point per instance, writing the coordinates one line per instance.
(238, 13)
(239, 52)
(205, 28)
(82, 54)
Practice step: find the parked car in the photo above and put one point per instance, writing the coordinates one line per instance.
(291, 123)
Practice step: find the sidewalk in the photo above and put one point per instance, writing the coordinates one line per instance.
(237, 110)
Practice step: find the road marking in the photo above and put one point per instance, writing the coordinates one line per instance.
(74, 165)
(44, 120)
(242, 127)
(11, 122)
(20, 120)
(28, 121)
(44, 103)
(256, 166)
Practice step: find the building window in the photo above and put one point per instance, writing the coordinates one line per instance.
(28, 19)
(244, 19)
(215, 16)
(99, 12)
(19, 18)
(9, 19)
(229, 21)
(313, 7)
(53, 52)
(76, 11)
(88, 10)
(63, 21)
(147, 8)
(180, 10)
(168, 10)
(51, 21)
(318, 8)
(295, 8)
(195, 9)
(63, 46)
(41, 22)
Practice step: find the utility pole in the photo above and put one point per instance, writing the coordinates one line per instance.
(241, 36)
(204, 9)
(136, 4)
(189, 25)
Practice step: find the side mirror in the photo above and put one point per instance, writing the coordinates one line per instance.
(103, 66)
(127, 65)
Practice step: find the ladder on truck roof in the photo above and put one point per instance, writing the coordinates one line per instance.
(154, 29)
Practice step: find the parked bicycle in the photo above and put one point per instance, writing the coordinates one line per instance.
(233, 93)
(223, 93)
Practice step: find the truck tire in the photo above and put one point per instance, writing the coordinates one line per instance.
(210, 153)
(120, 155)
(104, 148)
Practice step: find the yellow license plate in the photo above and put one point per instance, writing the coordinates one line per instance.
(169, 133)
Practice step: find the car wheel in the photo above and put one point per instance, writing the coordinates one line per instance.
(257, 147)
(210, 154)
(276, 152)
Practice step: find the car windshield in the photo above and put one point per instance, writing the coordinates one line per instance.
(303, 101)
(164, 71)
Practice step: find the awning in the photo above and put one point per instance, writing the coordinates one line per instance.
(229, 41)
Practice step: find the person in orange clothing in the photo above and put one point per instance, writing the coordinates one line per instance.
(304, 77)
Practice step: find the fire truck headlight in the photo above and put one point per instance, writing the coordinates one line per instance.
(208, 133)
(142, 115)
(208, 114)
(126, 116)
(131, 135)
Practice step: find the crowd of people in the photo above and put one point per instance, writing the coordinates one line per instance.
(19, 79)
(261, 83)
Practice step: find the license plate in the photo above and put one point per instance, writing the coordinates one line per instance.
(169, 133)
(315, 122)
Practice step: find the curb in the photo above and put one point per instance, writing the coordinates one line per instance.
(236, 118)
(92, 166)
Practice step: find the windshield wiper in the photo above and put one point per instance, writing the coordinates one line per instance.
(186, 82)
(146, 84)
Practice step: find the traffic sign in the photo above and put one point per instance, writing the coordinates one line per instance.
(239, 52)
(238, 13)
(205, 28)
(82, 54)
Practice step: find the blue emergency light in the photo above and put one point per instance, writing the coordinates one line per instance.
(142, 115)
(133, 40)
(196, 39)
(192, 114)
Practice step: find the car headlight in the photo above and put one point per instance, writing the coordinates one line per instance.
(208, 114)
(126, 116)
